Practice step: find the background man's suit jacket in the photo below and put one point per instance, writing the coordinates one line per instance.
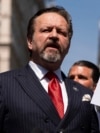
(25, 105)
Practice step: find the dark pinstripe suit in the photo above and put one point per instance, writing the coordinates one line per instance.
(24, 105)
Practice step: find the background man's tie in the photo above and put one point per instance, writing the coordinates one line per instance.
(54, 91)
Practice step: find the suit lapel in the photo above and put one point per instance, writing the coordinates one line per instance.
(36, 92)
(73, 102)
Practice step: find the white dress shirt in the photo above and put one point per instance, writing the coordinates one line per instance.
(41, 72)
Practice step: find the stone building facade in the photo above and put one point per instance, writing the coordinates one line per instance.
(14, 16)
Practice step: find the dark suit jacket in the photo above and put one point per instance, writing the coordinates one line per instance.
(25, 105)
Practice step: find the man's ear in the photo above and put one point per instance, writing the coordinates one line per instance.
(29, 43)
(94, 86)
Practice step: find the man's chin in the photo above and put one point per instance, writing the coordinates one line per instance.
(51, 59)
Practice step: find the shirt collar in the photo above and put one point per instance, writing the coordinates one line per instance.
(41, 71)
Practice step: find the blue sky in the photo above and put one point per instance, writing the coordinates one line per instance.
(85, 18)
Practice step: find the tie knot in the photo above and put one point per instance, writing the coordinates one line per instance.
(51, 75)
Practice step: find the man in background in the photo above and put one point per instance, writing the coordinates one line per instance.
(87, 74)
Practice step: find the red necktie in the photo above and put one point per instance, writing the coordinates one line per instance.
(54, 91)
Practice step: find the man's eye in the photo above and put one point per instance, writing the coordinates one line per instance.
(71, 77)
(82, 77)
(63, 33)
(46, 30)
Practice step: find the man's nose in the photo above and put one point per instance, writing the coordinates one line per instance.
(54, 33)
(75, 78)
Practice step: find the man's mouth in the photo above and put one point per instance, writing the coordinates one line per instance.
(53, 46)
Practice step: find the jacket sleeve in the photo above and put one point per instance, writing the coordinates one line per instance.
(1, 110)
(94, 121)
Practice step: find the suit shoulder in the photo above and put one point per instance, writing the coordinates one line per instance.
(80, 87)
(12, 72)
